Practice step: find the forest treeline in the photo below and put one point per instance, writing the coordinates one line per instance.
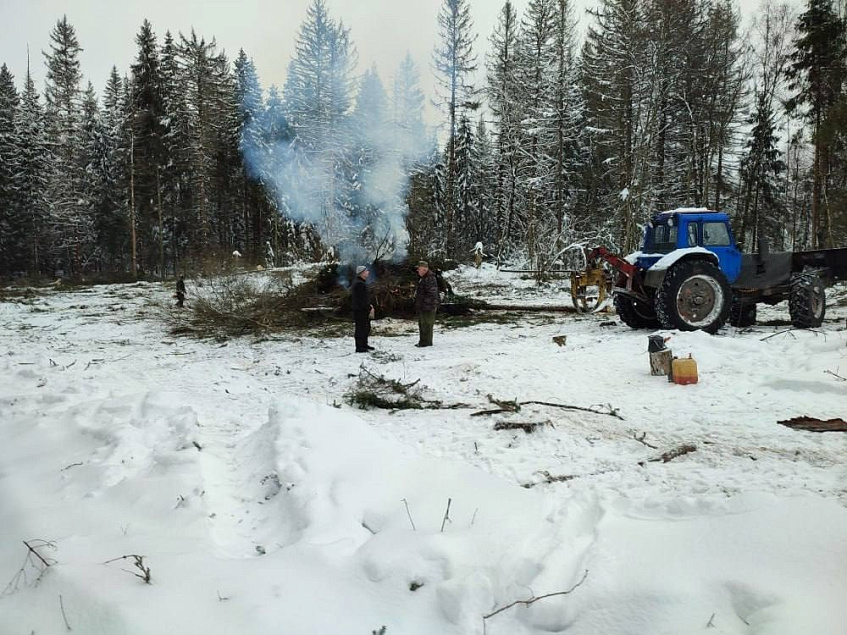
(554, 138)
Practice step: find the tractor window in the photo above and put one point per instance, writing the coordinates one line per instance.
(716, 235)
(664, 239)
(692, 234)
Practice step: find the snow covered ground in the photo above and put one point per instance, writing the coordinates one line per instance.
(263, 504)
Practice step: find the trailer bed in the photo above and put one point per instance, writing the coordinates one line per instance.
(831, 262)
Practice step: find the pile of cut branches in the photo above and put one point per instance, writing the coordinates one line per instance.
(237, 305)
(376, 391)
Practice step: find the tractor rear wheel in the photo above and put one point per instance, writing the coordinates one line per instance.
(807, 300)
(694, 295)
(635, 313)
(742, 314)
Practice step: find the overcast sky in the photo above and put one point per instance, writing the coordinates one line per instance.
(383, 30)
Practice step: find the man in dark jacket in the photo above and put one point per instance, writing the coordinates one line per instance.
(426, 303)
(180, 291)
(362, 310)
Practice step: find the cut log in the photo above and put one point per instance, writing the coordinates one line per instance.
(815, 425)
(660, 363)
(536, 308)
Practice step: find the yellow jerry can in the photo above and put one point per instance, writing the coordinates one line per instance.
(684, 371)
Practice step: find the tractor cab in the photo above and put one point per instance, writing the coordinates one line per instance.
(673, 235)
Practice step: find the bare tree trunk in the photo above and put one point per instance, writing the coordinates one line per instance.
(816, 187)
(132, 202)
(718, 178)
(161, 228)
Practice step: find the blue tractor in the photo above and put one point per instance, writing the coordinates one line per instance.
(691, 275)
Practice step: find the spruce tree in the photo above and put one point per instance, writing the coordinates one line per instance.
(817, 73)
(318, 98)
(455, 64)
(536, 168)
(63, 116)
(250, 110)
(34, 167)
(503, 87)
(92, 185)
(175, 175)
(197, 59)
(147, 145)
(407, 105)
(12, 232)
(614, 59)
(110, 210)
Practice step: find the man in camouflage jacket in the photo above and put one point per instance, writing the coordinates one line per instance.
(426, 303)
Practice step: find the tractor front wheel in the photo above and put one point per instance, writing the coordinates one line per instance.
(635, 313)
(807, 302)
(694, 295)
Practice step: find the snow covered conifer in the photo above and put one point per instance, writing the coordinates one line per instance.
(33, 176)
(503, 87)
(318, 97)
(147, 110)
(12, 231)
(818, 72)
(251, 111)
(63, 115)
(455, 63)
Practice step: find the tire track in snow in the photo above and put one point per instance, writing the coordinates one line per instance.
(249, 510)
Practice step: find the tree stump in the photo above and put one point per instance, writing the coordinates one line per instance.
(660, 363)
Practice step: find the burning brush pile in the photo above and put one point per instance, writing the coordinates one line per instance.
(255, 303)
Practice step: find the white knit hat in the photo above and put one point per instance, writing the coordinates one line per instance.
(360, 269)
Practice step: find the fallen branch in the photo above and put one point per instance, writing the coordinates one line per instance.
(613, 412)
(64, 617)
(550, 478)
(527, 427)
(503, 406)
(677, 452)
(376, 391)
(446, 515)
(409, 514)
(767, 337)
(38, 555)
(534, 599)
(33, 567)
(490, 412)
(641, 440)
(138, 561)
(515, 406)
(560, 478)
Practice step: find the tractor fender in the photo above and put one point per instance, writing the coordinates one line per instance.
(654, 276)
